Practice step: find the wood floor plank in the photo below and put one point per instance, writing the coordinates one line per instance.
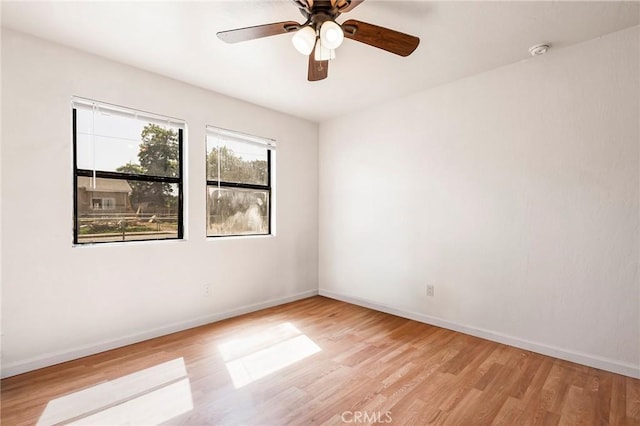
(509, 413)
(633, 399)
(321, 361)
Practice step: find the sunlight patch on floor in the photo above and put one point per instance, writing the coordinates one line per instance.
(149, 409)
(148, 396)
(256, 356)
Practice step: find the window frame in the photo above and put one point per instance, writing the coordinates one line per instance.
(269, 145)
(77, 172)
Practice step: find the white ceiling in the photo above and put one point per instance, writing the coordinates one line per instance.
(178, 39)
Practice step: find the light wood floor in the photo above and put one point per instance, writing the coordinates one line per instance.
(347, 365)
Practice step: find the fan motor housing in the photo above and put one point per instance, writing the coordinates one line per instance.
(322, 10)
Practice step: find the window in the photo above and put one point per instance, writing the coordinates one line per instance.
(103, 203)
(239, 169)
(127, 174)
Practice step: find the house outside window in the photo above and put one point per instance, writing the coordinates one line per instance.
(127, 174)
(239, 183)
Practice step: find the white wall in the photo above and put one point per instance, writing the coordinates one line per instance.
(60, 301)
(513, 192)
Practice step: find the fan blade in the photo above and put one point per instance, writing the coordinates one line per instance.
(346, 5)
(259, 31)
(317, 69)
(383, 38)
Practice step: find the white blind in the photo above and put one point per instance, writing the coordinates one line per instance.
(91, 105)
(223, 135)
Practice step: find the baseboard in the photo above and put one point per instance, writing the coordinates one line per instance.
(625, 369)
(47, 360)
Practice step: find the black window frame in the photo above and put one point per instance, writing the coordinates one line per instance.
(269, 145)
(77, 172)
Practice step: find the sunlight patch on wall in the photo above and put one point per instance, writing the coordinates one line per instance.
(256, 356)
(148, 396)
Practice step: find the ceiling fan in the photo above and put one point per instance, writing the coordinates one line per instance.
(320, 34)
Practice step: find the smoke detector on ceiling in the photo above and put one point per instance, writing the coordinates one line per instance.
(539, 49)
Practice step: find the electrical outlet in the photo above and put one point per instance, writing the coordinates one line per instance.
(207, 290)
(430, 290)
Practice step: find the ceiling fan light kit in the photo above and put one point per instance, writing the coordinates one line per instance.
(304, 40)
(331, 35)
(323, 53)
(320, 35)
